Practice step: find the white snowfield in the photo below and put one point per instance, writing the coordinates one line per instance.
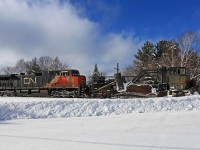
(35, 108)
(166, 123)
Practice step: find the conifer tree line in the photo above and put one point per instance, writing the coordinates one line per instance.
(180, 52)
(36, 65)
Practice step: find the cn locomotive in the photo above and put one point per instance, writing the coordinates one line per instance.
(48, 83)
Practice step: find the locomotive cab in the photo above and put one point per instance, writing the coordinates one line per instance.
(72, 78)
(69, 79)
(178, 78)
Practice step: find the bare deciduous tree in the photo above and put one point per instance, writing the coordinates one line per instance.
(20, 66)
(44, 63)
(187, 44)
(8, 70)
(58, 65)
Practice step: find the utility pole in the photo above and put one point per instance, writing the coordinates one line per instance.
(117, 68)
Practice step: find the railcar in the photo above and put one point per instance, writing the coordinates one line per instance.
(148, 83)
(69, 83)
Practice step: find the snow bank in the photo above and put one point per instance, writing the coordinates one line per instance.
(15, 107)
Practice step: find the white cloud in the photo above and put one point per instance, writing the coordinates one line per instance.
(49, 29)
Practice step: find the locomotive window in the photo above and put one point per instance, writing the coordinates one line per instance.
(66, 73)
(75, 73)
(172, 71)
(177, 71)
(181, 71)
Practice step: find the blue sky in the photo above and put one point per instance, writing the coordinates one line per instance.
(85, 32)
(145, 18)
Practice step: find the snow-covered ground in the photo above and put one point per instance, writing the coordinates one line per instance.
(94, 124)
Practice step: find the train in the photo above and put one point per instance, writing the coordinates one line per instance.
(70, 83)
(56, 83)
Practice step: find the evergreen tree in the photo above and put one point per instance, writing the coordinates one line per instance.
(33, 67)
(167, 53)
(145, 56)
(161, 48)
(96, 74)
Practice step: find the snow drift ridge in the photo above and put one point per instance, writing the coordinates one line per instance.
(34, 108)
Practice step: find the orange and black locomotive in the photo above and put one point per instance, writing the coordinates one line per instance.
(50, 83)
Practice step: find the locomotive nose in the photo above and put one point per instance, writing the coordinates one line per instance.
(82, 80)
